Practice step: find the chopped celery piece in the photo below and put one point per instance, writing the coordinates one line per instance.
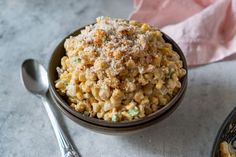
(114, 118)
(133, 111)
(75, 60)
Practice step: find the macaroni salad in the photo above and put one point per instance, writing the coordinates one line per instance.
(119, 70)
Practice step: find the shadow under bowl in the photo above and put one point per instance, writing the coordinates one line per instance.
(102, 125)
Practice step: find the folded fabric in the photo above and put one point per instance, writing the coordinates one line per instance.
(204, 29)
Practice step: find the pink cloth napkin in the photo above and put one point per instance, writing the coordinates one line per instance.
(204, 29)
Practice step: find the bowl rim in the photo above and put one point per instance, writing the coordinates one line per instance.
(123, 123)
(109, 129)
(218, 139)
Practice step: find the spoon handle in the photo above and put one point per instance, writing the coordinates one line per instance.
(66, 148)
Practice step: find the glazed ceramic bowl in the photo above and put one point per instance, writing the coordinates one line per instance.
(101, 125)
(115, 130)
(226, 133)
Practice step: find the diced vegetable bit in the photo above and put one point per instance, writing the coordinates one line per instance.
(75, 60)
(169, 75)
(114, 117)
(133, 111)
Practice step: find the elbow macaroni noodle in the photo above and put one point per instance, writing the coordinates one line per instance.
(119, 70)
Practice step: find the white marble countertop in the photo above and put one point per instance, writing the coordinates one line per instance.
(32, 29)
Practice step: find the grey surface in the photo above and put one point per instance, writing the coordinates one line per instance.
(31, 29)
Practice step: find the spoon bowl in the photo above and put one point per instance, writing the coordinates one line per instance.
(35, 80)
(34, 77)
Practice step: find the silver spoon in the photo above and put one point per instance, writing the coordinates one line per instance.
(35, 80)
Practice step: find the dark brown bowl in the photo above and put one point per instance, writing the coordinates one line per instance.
(226, 133)
(114, 130)
(90, 122)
